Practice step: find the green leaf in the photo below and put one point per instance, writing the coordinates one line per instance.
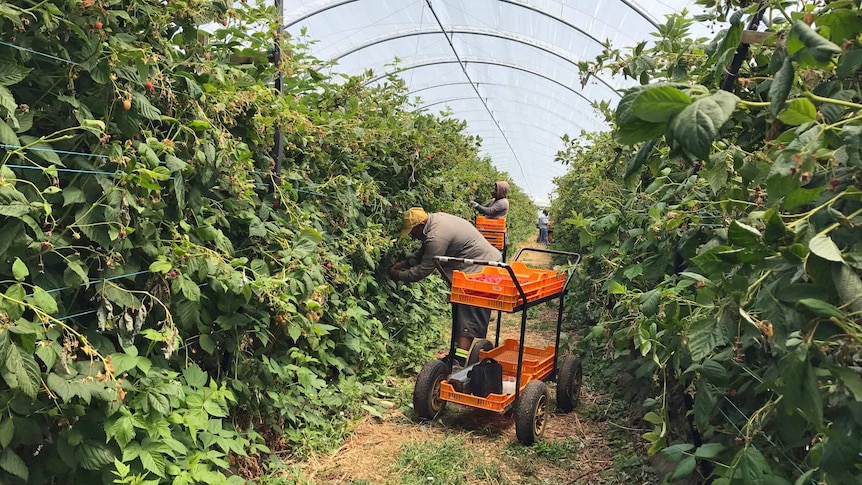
(7, 135)
(161, 266)
(42, 150)
(189, 289)
(11, 73)
(743, 235)
(674, 453)
(821, 307)
(851, 380)
(716, 175)
(19, 270)
(806, 478)
(13, 464)
(13, 310)
(7, 100)
(654, 418)
(207, 343)
(145, 109)
(195, 377)
(849, 63)
(798, 386)
(801, 196)
(174, 164)
(630, 128)
(76, 268)
(214, 409)
(616, 288)
(823, 246)
(698, 125)
(848, 285)
(799, 111)
(658, 104)
(60, 387)
(44, 300)
(840, 25)
(121, 429)
(636, 162)
(684, 469)
(780, 87)
(7, 432)
(649, 302)
(709, 450)
(123, 362)
(21, 371)
(753, 466)
(703, 336)
(93, 455)
(713, 371)
(154, 462)
(820, 48)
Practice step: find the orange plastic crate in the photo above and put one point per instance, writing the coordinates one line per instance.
(497, 239)
(494, 402)
(493, 287)
(492, 224)
(537, 364)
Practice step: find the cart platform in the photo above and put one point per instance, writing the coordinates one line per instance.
(537, 364)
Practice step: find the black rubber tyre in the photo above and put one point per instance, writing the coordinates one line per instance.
(481, 344)
(531, 413)
(426, 395)
(569, 377)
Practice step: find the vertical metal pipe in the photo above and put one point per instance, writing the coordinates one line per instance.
(742, 51)
(278, 145)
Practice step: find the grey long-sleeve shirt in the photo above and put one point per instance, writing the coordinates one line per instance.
(448, 235)
(494, 209)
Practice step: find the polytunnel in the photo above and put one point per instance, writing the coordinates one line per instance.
(509, 68)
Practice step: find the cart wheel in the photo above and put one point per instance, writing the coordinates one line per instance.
(531, 412)
(481, 344)
(426, 394)
(569, 380)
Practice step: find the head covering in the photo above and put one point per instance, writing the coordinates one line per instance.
(412, 218)
(502, 189)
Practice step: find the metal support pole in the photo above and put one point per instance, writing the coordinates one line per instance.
(278, 145)
(742, 51)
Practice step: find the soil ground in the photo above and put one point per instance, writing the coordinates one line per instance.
(582, 447)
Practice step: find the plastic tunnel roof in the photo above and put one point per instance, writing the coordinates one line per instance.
(506, 67)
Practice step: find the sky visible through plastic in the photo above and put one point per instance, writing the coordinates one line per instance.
(507, 67)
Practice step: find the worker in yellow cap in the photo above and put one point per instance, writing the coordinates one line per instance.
(443, 234)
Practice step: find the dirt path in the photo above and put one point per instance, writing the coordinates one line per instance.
(575, 448)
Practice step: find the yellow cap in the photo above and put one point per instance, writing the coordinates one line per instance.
(412, 218)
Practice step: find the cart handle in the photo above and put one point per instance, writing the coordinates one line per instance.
(577, 256)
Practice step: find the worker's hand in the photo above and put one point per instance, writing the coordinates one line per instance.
(474, 204)
(394, 270)
(393, 273)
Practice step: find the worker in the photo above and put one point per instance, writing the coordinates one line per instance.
(498, 207)
(444, 234)
(543, 224)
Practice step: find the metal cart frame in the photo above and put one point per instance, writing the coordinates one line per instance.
(522, 307)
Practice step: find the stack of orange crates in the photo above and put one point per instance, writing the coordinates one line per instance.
(494, 230)
(493, 288)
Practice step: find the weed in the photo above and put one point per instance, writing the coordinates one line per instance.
(446, 462)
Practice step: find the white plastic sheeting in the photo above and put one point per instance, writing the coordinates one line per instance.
(507, 67)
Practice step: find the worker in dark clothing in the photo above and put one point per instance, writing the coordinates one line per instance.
(447, 235)
(498, 207)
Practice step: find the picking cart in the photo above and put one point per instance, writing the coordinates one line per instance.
(494, 231)
(505, 287)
